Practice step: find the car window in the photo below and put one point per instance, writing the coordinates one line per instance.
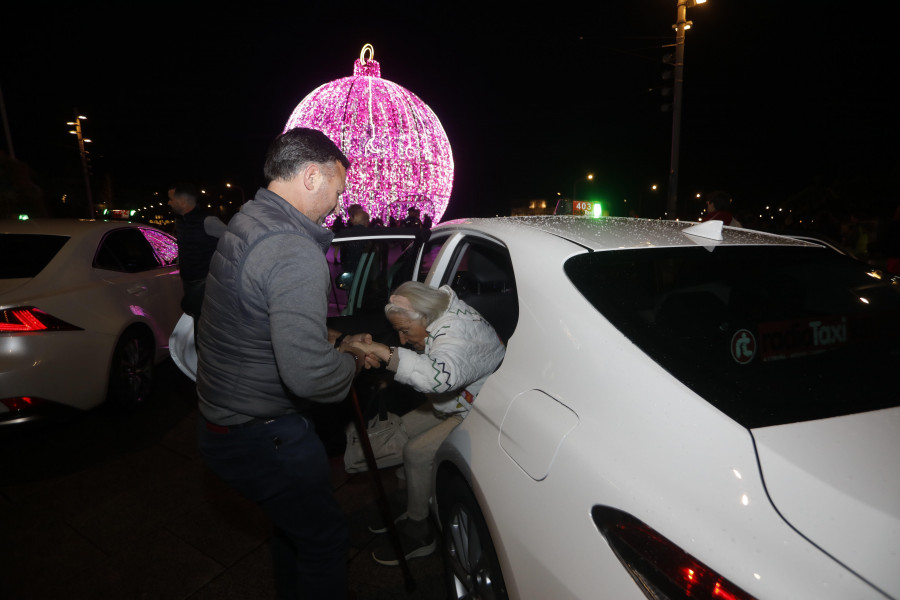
(430, 253)
(126, 250)
(365, 270)
(481, 274)
(769, 335)
(27, 254)
(165, 247)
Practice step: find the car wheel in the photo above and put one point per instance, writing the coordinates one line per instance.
(470, 561)
(131, 371)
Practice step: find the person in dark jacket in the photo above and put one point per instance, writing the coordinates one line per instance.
(265, 353)
(197, 233)
(412, 217)
(892, 244)
(718, 205)
(351, 252)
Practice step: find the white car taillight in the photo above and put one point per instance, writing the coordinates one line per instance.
(28, 319)
(662, 570)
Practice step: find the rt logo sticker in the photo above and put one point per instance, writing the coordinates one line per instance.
(743, 346)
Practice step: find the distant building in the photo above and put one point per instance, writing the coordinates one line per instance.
(532, 207)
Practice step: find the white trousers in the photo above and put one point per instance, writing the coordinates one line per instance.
(426, 432)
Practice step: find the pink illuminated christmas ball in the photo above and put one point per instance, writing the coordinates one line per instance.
(399, 153)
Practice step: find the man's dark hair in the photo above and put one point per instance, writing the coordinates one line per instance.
(719, 199)
(295, 148)
(188, 190)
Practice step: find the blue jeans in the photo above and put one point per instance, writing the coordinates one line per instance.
(282, 466)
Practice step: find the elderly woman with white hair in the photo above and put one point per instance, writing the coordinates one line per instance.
(451, 351)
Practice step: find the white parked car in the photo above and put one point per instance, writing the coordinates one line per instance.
(86, 309)
(684, 411)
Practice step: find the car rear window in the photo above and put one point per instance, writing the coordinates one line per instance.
(769, 335)
(26, 255)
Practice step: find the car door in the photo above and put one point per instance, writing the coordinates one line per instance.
(480, 271)
(366, 264)
(143, 281)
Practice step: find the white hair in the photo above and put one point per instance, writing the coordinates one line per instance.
(427, 302)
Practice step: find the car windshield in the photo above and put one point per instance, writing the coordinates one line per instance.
(769, 335)
(25, 255)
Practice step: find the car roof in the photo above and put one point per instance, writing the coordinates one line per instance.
(614, 233)
(68, 227)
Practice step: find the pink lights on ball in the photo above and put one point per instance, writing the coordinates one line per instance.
(399, 154)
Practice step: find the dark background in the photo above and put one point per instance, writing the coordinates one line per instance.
(783, 105)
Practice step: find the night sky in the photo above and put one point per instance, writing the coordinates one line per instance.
(775, 99)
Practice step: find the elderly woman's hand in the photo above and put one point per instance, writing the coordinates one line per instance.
(349, 344)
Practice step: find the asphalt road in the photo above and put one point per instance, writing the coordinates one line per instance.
(120, 505)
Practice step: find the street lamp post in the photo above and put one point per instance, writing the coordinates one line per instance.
(652, 187)
(589, 177)
(84, 164)
(239, 188)
(681, 25)
(9, 141)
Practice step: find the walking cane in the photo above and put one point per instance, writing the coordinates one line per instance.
(383, 505)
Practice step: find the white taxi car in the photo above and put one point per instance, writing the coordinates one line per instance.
(684, 411)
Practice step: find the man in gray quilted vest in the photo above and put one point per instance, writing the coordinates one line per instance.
(264, 354)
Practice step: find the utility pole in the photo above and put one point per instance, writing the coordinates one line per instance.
(681, 25)
(9, 141)
(84, 159)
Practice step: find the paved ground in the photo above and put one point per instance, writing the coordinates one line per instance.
(112, 506)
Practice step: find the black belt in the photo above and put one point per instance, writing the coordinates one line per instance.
(230, 428)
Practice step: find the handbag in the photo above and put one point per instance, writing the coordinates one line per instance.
(387, 435)
(182, 347)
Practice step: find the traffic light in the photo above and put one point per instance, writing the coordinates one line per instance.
(668, 80)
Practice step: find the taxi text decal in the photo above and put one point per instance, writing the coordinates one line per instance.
(801, 337)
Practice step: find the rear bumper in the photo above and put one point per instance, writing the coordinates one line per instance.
(69, 368)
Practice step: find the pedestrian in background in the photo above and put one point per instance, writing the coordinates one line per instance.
(718, 208)
(892, 244)
(412, 217)
(197, 233)
(351, 252)
(265, 353)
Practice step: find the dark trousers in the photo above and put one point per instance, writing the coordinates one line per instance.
(283, 466)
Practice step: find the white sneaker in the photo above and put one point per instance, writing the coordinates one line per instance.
(380, 527)
(413, 547)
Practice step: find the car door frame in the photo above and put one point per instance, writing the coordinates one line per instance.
(374, 323)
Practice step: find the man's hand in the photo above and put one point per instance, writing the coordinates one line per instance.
(354, 344)
(363, 338)
(375, 352)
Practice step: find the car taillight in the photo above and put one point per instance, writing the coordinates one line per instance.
(20, 403)
(25, 319)
(662, 570)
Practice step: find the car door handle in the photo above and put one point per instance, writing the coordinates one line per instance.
(137, 290)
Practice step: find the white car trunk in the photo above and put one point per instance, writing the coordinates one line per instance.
(837, 482)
